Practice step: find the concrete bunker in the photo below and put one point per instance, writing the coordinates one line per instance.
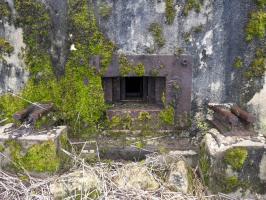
(150, 83)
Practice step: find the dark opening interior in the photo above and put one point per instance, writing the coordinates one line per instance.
(134, 88)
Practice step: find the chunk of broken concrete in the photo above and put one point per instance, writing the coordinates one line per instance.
(136, 176)
(77, 182)
(233, 163)
(178, 177)
(39, 154)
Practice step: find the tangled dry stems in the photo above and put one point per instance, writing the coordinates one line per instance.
(26, 187)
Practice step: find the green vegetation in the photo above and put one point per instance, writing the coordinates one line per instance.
(198, 29)
(69, 93)
(105, 10)
(38, 158)
(187, 36)
(258, 65)
(167, 115)
(178, 51)
(123, 122)
(231, 184)
(157, 32)
(204, 164)
(5, 12)
(256, 27)
(139, 69)
(5, 48)
(191, 5)
(170, 11)
(261, 3)
(126, 67)
(238, 63)
(2, 148)
(236, 157)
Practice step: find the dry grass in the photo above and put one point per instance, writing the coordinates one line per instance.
(26, 187)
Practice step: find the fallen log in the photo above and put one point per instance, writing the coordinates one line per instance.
(243, 114)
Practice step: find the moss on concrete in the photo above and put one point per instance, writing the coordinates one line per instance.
(170, 11)
(5, 11)
(157, 33)
(256, 27)
(5, 48)
(191, 5)
(2, 148)
(38, 158)
(105, 10)
(236, 157)
(258, 65)
(70, 92)
(231, 184)
(238, 63)
(139, 69)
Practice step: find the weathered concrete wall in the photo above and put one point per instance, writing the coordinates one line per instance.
(230, 163)
(214, 48)
(13, 74)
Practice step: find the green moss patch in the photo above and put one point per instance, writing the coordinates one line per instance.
(2, 148)
(191, 5)
(258, 65)
(38, 158)
(5, 11)
(105, 10)
(236, 157)
(170, 12)
(157, 32)
(256, 26)
(78, 95)
(126, 67)
(238, 63)
(5, 48)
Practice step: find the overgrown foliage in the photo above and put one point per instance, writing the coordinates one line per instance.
(78, 96)
(170, 12)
